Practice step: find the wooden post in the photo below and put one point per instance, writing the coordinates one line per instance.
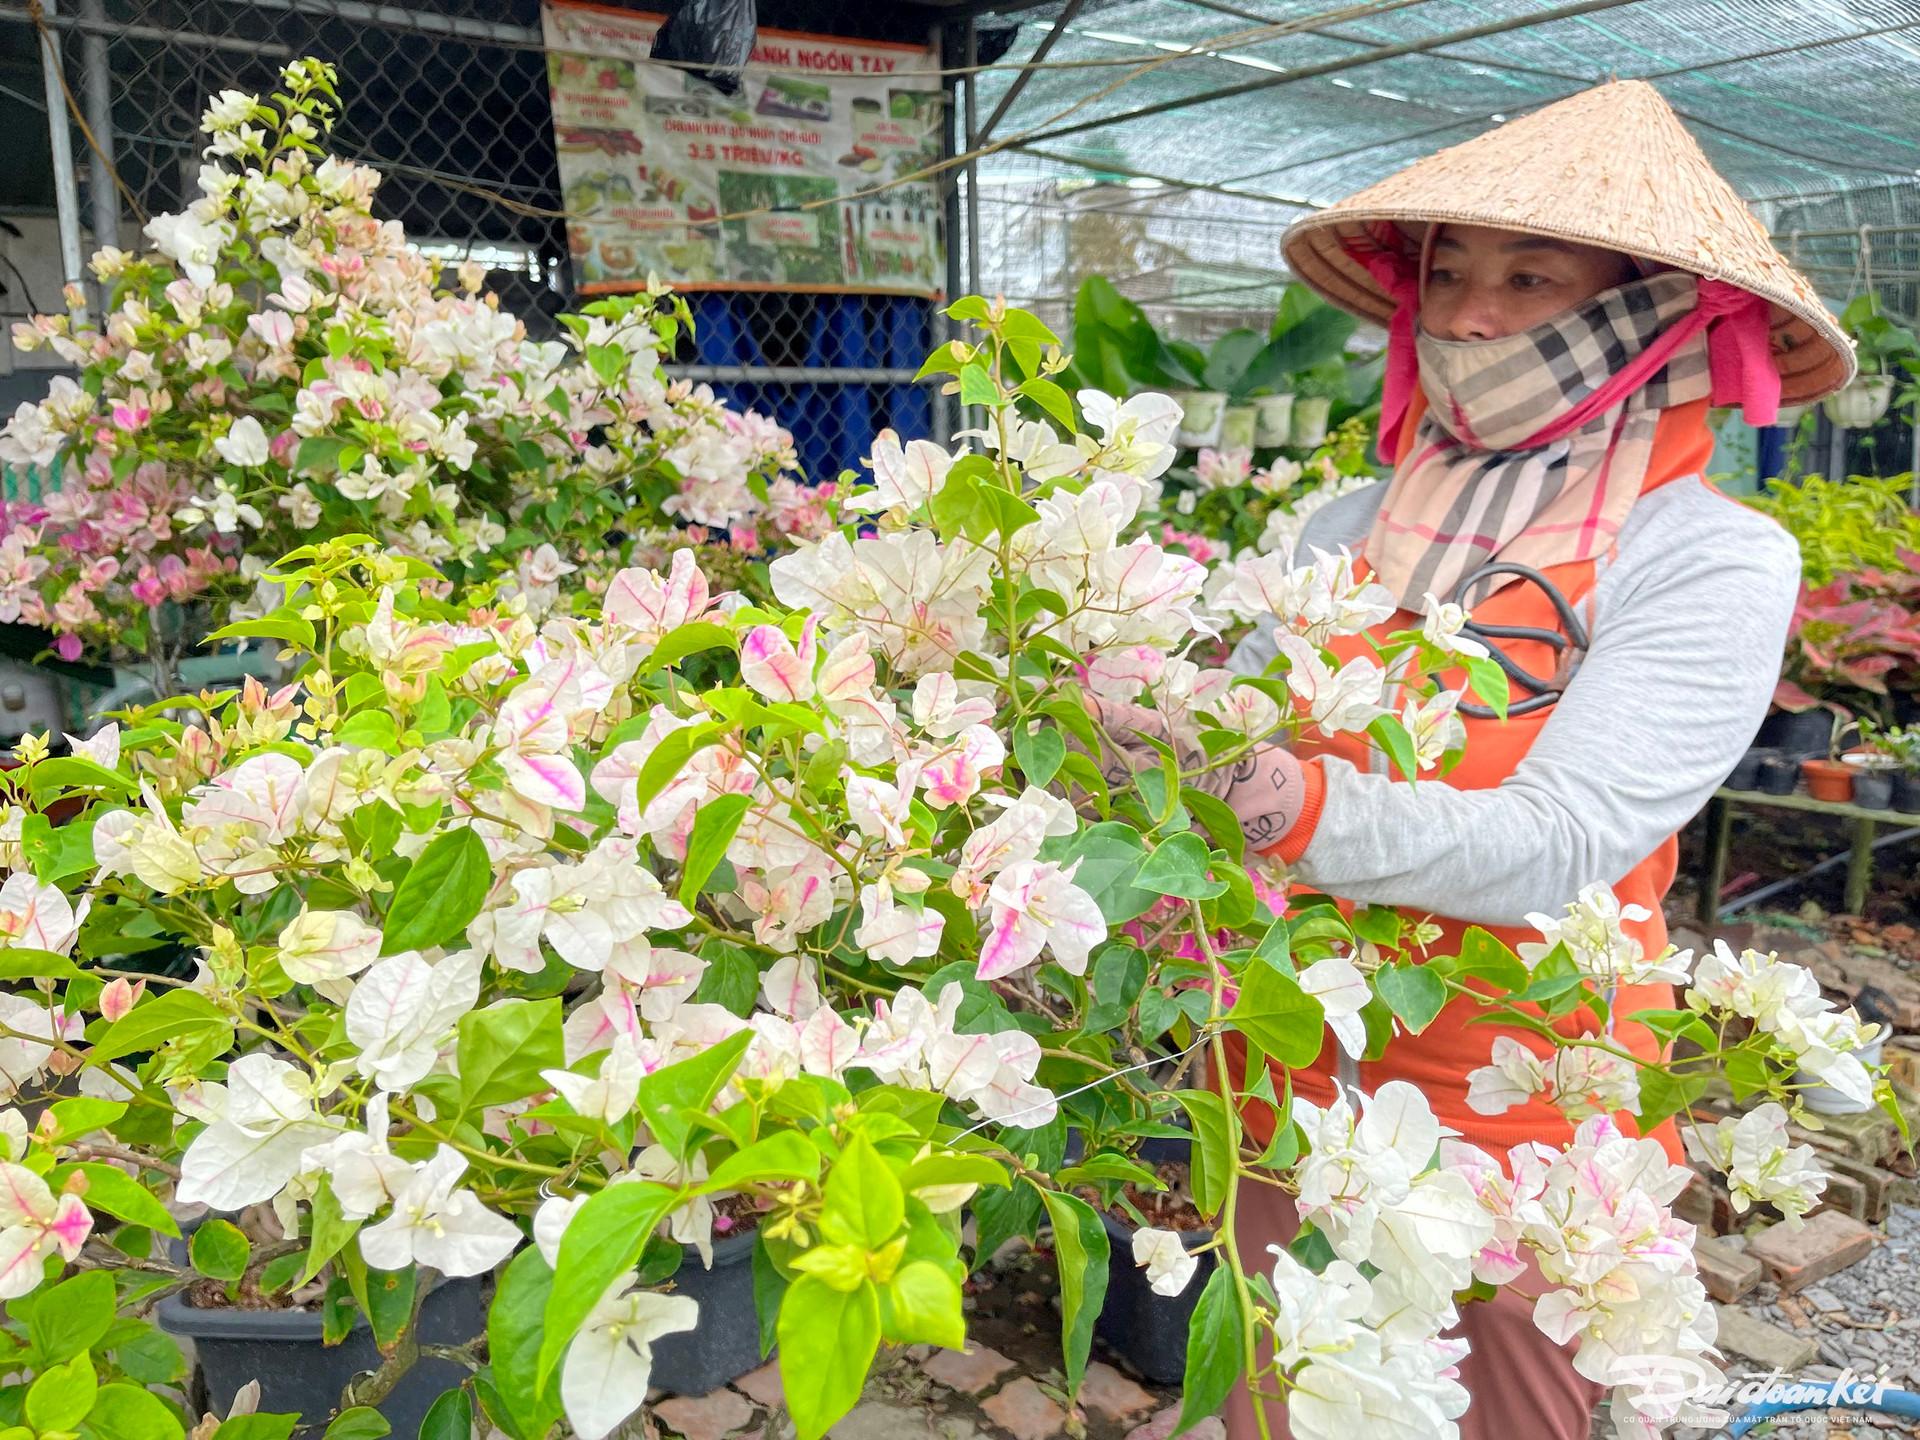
(1720, 835)
(1860, 866)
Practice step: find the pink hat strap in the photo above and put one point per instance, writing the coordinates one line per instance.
(1737, 328)
(1383, 251)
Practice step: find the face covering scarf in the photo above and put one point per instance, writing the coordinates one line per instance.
(1478, 483)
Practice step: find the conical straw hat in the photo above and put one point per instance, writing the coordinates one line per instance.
(1612, 166)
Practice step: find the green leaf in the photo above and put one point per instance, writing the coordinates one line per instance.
(690, 1084)
(1392, 736)
(81, 1115)
(257, 1427)
(127, 1412)
(388, 1300)
(62, 1396)
(331, 1230)
(921, 1306)
(26, 963)
(451, 1418)
(362, 1422)
(1216, 1349)
(1412, 992)
(732, 980)
(503, 1048)
(1278, 1016)
(977, 386)
(171, 1015)
(1664, 1095)
(1119, 974)
(1218, 818)
(1484, 957)
(1039, 752)
(672, 753)
(1214, 1145)
(72, 772)
(714, 825)
(1050, 398)
(1110, 856)
(219, 1250)
(1488, 681)
(828, 1339)
(783, 1155)
(515, 1324)
(769, 1292)
(442, 891)
(1080, 1240)
(69, 1318)
(865, 1206)
(116, 1193)
(601, 1244)
(1178, 866)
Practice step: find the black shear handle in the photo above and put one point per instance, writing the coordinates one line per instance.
(1543, 691)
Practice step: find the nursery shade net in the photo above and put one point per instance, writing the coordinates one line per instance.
(1804, 105)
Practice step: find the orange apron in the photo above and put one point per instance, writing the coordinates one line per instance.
(1439, 1058)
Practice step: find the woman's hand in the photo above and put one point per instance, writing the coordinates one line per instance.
(1265, 789)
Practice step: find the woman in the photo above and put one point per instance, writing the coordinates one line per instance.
(1554, 350)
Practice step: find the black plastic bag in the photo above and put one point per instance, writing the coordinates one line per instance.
(710, 32)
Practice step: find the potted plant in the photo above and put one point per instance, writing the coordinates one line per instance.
(1828, 777)
(1881, 346)
(1160, 1261)
(1314, 394)
(1902, 743)
(520, 957)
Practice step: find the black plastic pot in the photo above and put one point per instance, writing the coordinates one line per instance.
(1798, 733)
(1779, 774)
(1873, 789)
(1148, 1331)
(282, 1349)
(1906, 791)
(726, 1343)
(1746, 770)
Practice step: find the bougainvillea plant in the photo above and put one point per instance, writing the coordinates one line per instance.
(1228, 501)
(513, 952)
(283, 363)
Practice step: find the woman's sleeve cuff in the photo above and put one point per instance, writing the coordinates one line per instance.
(1294, 843)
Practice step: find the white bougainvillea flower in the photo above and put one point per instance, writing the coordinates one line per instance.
(102, 747)
(904, 477)
(147, 845)
(692, 1223)
(881, 809)
(608, 1096)
(1169, 1266)
(263, 1120)
(244, 444)
(774, 666)
(363, 1173)
(1443, 625)
(1594, 931)
(895, 933)
(33, 1225)
(791, 900)
(435, 1224)
(789, 988)
(1334, 701)
(1336, 982)
(1033, 906)
(651, 604)
(609, 1363)
(1784, 1000)
(939, 709)
(534, 735)
(1752, 1151)
(1015, 834)
(550, 1224)
(322, 947)
(403, 1010)
(952, 773)
(993, 1072)
(39, 917)
(24, 1053)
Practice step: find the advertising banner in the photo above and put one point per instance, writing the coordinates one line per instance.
(662, 173)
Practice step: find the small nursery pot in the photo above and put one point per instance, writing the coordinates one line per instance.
(1873, 789)
(1200, 417)
(1238, 425)
(1779, 774)
(1906, 791)
(1745, 774)
(1828, 780)
(1310, 420)
(1273, 420)
(1824, 1099)
(726, 1343)
(1799, 733)
(283, 1350)
(1147, 1330)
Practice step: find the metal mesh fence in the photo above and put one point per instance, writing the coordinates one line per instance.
(449, 99)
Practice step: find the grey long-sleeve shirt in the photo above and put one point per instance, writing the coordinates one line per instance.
(1688, 624)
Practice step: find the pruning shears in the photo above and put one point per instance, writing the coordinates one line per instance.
(1569, 643)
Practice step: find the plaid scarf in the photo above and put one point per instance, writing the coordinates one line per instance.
(1470, 489)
